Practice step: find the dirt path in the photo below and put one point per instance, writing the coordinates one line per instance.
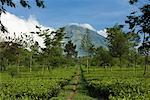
(74, 89)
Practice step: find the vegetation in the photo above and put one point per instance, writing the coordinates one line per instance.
(28, 71)
(139, 22)
(34, 85)
(87, 46)
(117, 42)
(70, 50)
(116, 83)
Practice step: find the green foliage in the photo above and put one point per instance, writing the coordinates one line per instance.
(13, 72)
(118, 43)
(33, 87)
(116, 83)
(3, 62)
(12, 49)
(139, 22)
(51, 55)
(134, 39)
(70, 50)
(29, 88)
(57, 61)
(102, 57)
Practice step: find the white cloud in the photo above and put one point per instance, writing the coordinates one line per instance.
(18, 25)
(88, 26)
(84, 25)
(102, 32)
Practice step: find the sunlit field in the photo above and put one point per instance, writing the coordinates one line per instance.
(74, 49)
(77, 83)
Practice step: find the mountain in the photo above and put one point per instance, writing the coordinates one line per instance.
(75, 32)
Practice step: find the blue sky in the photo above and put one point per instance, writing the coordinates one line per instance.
(99, 13)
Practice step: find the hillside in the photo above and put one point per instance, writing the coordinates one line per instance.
(76, 32)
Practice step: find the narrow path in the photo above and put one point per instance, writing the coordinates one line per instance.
(74, 89)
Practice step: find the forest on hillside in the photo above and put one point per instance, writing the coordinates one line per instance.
(120, 70)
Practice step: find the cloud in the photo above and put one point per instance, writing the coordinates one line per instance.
(88, 26)
(18, 25)
(102, 32)
(84, 25)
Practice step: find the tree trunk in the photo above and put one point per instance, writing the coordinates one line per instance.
(44, 65)
(30, 63)
(43, 69)
(135, 62)
(145, 64)
(146, 57)
(6, 64)
(18, 66)
(120, 61)
(47, 68)
(87, 64)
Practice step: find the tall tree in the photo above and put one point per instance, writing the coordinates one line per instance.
(52, 53)
(11, 47)
(102, 57)
(117, 42)
(87, 46)
(33, 53)
(139, 22)
(144, 49)
(133, 42)
(70, 50)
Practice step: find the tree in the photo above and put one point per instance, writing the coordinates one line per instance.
(56, 51)
(70, 50)
(133, 42)
(11, 53)
(117, 42)
(139, 22)
(144, 49)
(52, 53)
(102, 57)
(11, 48)
(33, 53)
(11, 3)
(132, 57)
(87, 46)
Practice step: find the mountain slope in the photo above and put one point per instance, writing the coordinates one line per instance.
(76, 32)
